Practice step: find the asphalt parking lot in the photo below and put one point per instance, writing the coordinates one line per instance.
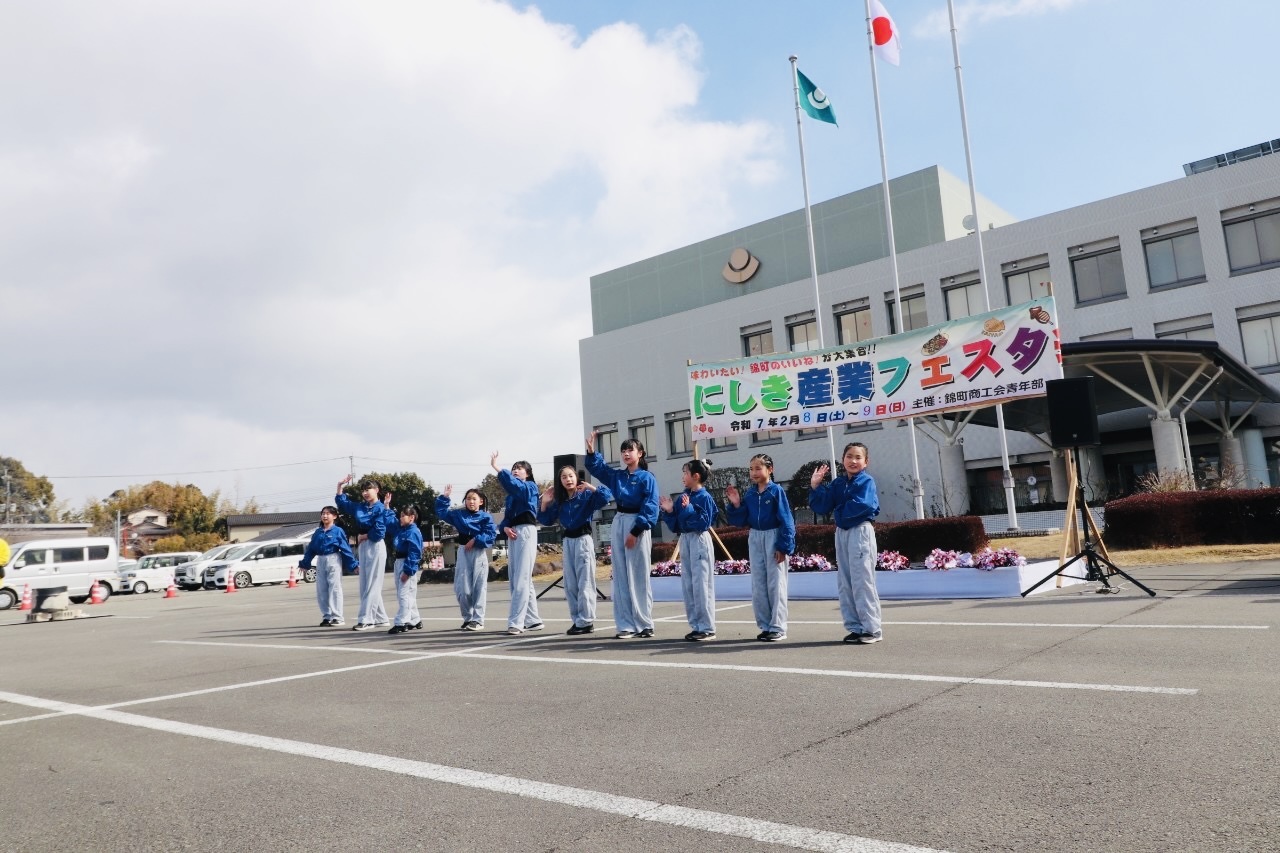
(1067, 721)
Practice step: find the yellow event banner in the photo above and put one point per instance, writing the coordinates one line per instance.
(968, 363)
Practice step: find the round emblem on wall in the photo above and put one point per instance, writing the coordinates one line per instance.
(741, 267)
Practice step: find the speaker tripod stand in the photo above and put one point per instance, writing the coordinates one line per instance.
(1097, 567)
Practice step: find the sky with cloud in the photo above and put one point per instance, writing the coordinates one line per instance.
(256, 239)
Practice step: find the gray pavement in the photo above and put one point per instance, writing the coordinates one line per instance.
(1067, 721)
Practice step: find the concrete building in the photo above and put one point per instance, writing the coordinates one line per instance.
(1156, 290)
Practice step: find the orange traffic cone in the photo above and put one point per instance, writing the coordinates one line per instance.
(231, 582)
(96, 594)
(172, 591)
(293, 583)
(26, 598)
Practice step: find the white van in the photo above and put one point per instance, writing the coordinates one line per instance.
(191, 575)
(73, 563)
(260, 562)
(155, 571)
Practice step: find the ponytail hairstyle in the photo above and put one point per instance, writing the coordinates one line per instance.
(411, 511)
(866, 452)
(767, 461)
(699, 468)
(638, 446)
(528, 469)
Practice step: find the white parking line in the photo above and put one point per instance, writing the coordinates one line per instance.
(781, 670)
(409, 657)
(736, 826)
(1018, 624)
(846, 673)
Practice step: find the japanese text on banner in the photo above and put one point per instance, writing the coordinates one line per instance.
(968, 363)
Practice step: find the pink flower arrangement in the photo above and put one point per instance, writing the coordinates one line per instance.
(798, 563)
(941, 561)
(989, 560)
(892, 561)
(809, 563)
(665, 569)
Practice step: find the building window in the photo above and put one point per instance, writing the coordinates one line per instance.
(913, 314)
(641, 430)
(768, 436)
(607, 442)
(679, 434)
(810, 433)
(757, 341)
(1259, 337)
(1199, 328)
(964, 300)
(1098, 277)
(722, 444)
(1026, 285)
(1113, 335)
(854, 326)
(1253, 243)
(803, 336)
(1174, 261)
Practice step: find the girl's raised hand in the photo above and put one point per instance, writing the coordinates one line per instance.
(493, 460)
(665, 503)
(819, 474)
(548, 496)
(386, 500)
(448, 490)
(731, 492)
(591, 442)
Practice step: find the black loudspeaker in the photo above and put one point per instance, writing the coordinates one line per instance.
(1073, 412)
(577, 460)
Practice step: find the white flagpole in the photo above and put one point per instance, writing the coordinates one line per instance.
(917, 492)
(808, 223)
(1010, 504)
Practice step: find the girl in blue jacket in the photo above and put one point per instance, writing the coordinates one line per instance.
(852, 501)
(406, 543)
(520, 526)
(766, 510)
(572, 502)
(329, 548)
(691, 516)
(471, 569)
(372, 520)
(636, 492)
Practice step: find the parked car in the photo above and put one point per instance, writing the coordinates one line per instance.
(155, 571)
(191, 575)
(259, 562)
(73, 563)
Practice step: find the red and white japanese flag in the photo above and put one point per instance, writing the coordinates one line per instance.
(884, 33)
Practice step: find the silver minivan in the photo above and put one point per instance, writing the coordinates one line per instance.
(191, 575)
(73, 563)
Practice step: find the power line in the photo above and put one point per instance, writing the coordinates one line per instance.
(189, 473)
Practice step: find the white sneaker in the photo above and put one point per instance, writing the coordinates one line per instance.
(385, 623)
(515, 632)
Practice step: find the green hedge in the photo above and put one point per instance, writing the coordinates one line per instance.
(1178, 519)
(915, 539)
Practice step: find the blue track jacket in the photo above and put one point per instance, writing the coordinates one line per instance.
(767, 510)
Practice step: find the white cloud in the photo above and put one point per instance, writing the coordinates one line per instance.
(296, 231)
(978, 12)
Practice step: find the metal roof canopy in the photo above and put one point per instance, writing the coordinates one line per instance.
(1159, 375)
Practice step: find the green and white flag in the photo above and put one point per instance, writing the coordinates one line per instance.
(814, 100)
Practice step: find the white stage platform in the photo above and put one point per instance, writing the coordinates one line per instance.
(905, 585)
